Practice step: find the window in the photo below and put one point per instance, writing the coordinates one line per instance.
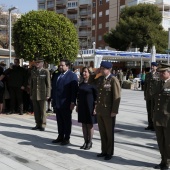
(94, 4)
(100, 2)
(93, 27)
(94, 16)
(107, 12)
(100, 26)
(72, 4)
(107, 24)
(107, 0)
(99, 37)
(100, 14)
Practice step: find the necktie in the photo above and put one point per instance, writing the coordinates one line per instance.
(60, 77)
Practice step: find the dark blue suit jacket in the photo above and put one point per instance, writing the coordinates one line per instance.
(64, 90)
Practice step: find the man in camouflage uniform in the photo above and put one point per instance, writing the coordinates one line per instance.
(107, 107)
(40, 88)
(152, 81)
(161, 117)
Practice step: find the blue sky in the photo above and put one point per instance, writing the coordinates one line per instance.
(23, 6)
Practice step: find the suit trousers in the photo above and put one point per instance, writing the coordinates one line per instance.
(64, 122)
(16, 99)
(106, 128)
(150, 108)
(39, 107)
(163, 139)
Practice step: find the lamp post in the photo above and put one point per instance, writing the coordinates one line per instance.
(94, 47)
(10, 9)
(168, 43)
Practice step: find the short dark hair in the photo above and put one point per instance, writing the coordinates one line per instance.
(67, 62)
(16, 59)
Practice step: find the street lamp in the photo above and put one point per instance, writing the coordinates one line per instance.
(168, 43)
(10, 9)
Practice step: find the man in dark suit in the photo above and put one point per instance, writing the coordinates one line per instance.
(109, 94)
(152, 81)
(161, 117)
(40, 88)
(64, 93)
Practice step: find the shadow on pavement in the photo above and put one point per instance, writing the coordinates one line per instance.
(45, 143)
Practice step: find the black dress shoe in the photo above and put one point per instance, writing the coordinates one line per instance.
(84, 146)
(35, 128)
(65, 142)
(101, 155)
(150, 128)
(165, 168)
(88, 146)
(107, 157)
(42, 129)
(58, 140)
(159, 166)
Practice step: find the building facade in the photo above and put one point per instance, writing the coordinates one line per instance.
(93, 18)
(163, 5)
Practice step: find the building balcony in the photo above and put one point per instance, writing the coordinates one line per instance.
(60, 2)
(72, 16)
(41, 1)
(50, 5)
(61, 11)
(84, 23)
(84, 3)
(41, 7)
(84, 34)
(163, 2)
(85, 12)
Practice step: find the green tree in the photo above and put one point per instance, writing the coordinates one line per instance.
(45, 34)
(139, 26)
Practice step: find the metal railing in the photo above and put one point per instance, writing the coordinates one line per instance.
(85, 23)
(72, 16)
(61, 11)
(84, 12)
(58, 2)
(85, 33)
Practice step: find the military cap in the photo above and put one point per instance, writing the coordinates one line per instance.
(154, 64)
(37, 60)
(106, 64)
(163, 67)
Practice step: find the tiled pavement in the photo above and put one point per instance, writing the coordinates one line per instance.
(25, 149)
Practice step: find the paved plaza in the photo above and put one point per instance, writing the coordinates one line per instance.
(24, 149)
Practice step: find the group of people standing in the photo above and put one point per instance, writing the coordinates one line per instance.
(96, 98)
(157, 96)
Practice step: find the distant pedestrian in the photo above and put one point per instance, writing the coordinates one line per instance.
(143, 80)
(119, 76)
(152, 79)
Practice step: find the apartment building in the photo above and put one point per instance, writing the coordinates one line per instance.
(163, 5)
(90, 17)
(4, 27)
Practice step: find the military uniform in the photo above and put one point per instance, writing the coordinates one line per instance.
(161, 119)
(108, 102)
(152, 83)
(40, 89)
